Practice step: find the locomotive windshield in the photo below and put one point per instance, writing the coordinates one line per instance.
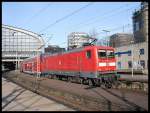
(106, 54)
(101, 53)
(110, 54)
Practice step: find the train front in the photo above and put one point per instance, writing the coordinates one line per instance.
(106, 62)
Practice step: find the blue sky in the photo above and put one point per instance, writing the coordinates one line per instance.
(98, 16)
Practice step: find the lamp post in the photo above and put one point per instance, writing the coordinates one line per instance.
(107, 36)
(132, 56)
(16, 50)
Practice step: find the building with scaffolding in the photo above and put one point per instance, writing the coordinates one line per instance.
(17, 45)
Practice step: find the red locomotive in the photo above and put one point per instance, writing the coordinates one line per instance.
(92, 64)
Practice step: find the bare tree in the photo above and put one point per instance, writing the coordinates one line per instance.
(93, 33)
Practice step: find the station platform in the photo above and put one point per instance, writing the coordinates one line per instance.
(135, 77)
(16, 98)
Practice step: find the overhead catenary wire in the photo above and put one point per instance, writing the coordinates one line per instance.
(71, 15)
(123, 26)
(114, 29)
(106, 17)
(117, 28)
(33, 17)
(65, 17)
(48, 39)
(107, 12)
(75, 12)
(119, 13)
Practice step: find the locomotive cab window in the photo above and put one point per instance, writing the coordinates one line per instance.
(88, 54)
(101, 53)
(110, 54)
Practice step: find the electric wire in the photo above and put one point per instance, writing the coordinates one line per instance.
(65, 17)
(106, 18)
(37, 14)
(107, 12)
(114, 29)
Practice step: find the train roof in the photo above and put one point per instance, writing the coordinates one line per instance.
(78, 49)
(70, 51)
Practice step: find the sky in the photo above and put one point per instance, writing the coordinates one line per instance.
(56, 20)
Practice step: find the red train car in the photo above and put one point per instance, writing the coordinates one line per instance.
(96, 64)
(31, 66)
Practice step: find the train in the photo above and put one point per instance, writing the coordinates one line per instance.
(92, 65)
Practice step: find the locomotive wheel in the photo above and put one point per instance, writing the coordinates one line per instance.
(51, 76)
(91, 82)
(108, 85)
(80, 81)
(69, 79)
(55, 77)
(98, 84)
(85, 81)
(59, 77)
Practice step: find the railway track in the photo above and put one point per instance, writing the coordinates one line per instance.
(78, 96)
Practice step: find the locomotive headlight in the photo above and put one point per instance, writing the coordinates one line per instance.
(102, 64)
(112, 64)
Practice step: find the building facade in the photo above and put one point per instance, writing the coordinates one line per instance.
(19, 44)
(76, 39)
(140, 57)
(54, 49)
(132, 51)
(140, 23)
(120, 39)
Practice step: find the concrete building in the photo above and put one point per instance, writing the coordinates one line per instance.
(76, 39)
(54, 49)
(18, 44)
(120, 39)
(140, 23)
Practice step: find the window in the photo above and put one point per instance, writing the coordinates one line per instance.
(129, 64)
(137, 26)
(129, 53)
(134, 27)
(119, 65)
(142, 62)
(88, 54)
(101, 53)
(110, 54)
(142, 51)
(141, 24)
